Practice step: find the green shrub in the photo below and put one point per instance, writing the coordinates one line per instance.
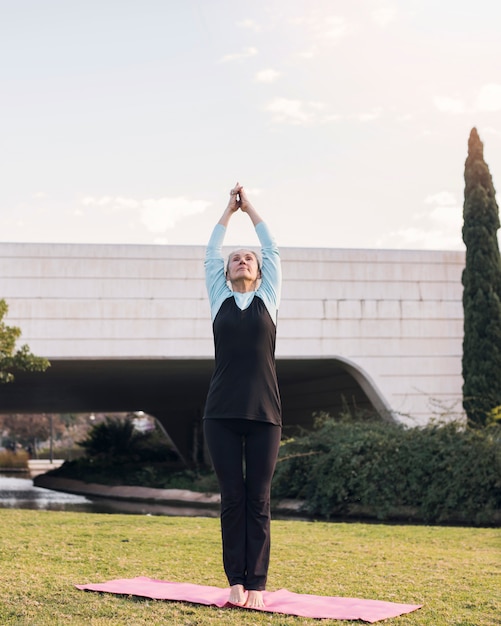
(117, 441)
(433, 474)
(166, 475)
(117, 454)
(111, 438)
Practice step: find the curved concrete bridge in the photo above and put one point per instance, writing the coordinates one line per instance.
(127, 328)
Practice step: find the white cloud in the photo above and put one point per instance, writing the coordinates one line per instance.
(370, 115)
(253, 191)
(422, 239)
(489, 98)
(239, 56)
(333, 28)
(449, 216)
(250, 24)
(449, 105)
(331, 117)
(40, 195)
(384, 15)
(442, 198)
(318, 106)
(161, 214)
(446, 211)
(299, 21)
(157, 214)
(436, 228)
(267, 76)
(288, 111)
(488, 130)
(91, 201)
(116, 204)
(322, 30)
(310, 53)
(125, 203)
(299, 112)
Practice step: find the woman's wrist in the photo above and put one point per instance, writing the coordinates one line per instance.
(225, 217)
(253, 214)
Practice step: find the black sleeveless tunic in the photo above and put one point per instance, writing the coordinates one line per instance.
(244, 383)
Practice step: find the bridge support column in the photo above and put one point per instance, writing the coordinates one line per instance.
(185, 430)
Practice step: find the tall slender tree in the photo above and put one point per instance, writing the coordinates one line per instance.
(481, 290)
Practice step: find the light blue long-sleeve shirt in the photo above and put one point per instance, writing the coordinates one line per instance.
(271, 273)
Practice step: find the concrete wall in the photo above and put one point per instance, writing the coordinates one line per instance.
(395, 315)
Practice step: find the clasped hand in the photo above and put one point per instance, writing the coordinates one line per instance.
(238, 199)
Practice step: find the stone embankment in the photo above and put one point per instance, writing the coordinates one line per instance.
(146, 494)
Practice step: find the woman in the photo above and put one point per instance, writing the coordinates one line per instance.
(242, 419)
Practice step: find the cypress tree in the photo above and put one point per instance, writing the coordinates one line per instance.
(481, 291)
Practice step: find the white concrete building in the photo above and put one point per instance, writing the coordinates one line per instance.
(391, 321)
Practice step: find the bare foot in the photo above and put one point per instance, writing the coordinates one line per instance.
(237, 594)
(255, 599)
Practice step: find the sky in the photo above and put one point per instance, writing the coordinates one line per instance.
(347, 121)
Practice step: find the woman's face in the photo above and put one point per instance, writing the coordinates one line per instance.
(243, 266)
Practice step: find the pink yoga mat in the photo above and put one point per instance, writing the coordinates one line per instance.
(283, 601)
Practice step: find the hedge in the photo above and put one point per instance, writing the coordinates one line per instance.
(435, 474)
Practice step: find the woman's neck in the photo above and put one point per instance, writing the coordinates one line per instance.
(239, 286)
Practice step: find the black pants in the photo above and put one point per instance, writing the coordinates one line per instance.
(244, 454)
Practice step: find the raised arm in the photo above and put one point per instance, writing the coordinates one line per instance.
(247, 207)
(271, 271)
(215, 276)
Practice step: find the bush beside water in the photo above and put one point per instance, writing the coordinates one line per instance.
(115, 453)
(343, 468)
(436, 474)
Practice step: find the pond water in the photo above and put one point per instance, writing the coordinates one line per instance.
(18, 492)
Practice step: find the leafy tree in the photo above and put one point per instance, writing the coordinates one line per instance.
(27, 429)
(12, 360)
(482, 290)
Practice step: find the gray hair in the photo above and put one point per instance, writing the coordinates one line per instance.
(256, 254)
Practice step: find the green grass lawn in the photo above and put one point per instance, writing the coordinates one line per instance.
(454, 572)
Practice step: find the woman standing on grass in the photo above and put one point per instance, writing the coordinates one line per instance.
(242, 419)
